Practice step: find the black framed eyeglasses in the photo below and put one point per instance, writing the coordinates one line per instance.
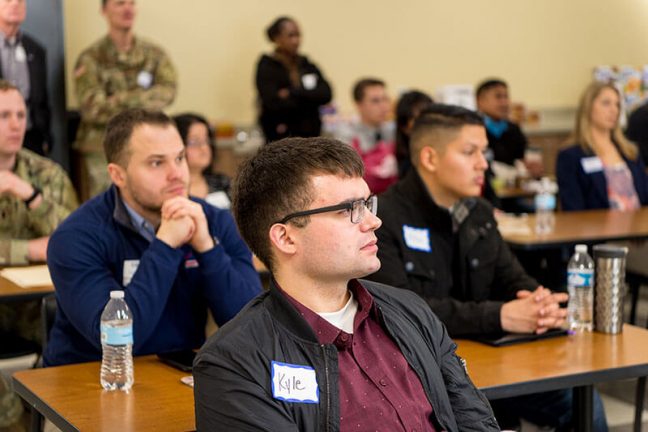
(356, 208)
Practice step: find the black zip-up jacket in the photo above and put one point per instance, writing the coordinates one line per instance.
(299, 112)
(232, 371)
(466, 276)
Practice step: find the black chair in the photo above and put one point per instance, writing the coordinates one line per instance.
(635, 281)
(48, 313)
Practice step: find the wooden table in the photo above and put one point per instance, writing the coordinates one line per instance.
(72, 398)
(578, 361)
(9, 291)
(590, 226)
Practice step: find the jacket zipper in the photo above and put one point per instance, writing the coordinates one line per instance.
(328, 389)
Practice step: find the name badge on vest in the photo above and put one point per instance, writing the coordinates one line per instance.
(592, 164)
(130, 267)
(417, 238)
(294, 383)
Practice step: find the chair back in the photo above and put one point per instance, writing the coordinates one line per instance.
(48, 313)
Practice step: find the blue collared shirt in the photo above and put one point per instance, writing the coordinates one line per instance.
(143, 227)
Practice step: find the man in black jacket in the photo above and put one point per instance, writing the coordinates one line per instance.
(322, 350)
(441, 241)
(23, 64)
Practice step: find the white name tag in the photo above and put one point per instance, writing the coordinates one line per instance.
(417, 238)
(592, 164)
(294, 383)
(21, 55)
(218, 199)
(144, 79)
(309, 81)
(130, 267)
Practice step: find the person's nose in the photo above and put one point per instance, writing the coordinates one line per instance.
(370, 222)
(15, 122)
(482, 162)
(176, 169)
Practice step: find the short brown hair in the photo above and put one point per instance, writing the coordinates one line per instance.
(120, 129)
(361, 85)
(440, 123)
(6, 86)
(276, 182)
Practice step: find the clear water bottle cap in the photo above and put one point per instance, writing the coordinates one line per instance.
(581, 248)
(117, 294)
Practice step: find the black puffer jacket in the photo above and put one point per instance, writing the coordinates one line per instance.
(464, 276)
(233, 389)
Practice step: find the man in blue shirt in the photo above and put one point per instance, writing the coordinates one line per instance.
(172, 254)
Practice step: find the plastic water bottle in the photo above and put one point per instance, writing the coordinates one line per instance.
(545, 204)
(116, 344)
(580, 284)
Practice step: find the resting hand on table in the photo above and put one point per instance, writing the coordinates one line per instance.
(181, 207)
(533, 312)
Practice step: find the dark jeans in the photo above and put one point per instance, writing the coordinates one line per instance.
(553, 409)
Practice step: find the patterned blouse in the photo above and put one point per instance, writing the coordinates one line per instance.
(620, 188)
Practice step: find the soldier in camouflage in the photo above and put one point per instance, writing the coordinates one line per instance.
(117, 72)
(35, 196)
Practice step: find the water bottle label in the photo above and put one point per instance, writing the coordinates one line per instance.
(545, 201)
(116, 335)
(580, 278)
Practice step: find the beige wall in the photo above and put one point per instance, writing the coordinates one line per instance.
(544, 48)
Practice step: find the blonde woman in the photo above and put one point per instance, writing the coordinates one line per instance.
(602, 169)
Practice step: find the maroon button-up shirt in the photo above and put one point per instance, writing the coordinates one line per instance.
(378, 389)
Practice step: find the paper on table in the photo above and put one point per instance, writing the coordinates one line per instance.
(513, 225)
(28, 277)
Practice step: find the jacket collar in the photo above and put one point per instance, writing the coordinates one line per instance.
(120, 213)
(283, 311)
(412, 189)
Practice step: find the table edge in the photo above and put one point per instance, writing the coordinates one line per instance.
(39, 405)
(565, 381)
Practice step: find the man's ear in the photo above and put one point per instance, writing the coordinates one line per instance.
(117, 174)
(281, 239)
(429, 159)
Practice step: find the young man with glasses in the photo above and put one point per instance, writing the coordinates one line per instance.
(322, 350)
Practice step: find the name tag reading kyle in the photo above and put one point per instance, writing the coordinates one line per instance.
(417, 238)
(592, 164)
(294, 383)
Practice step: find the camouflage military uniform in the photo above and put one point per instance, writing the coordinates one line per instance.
(10, 407)
(107, 82)
(18, 225)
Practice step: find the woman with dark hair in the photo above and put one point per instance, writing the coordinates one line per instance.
(291, 88)
(198, 137)
(408, 108)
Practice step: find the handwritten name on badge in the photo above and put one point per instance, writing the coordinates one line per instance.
(294, 383)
